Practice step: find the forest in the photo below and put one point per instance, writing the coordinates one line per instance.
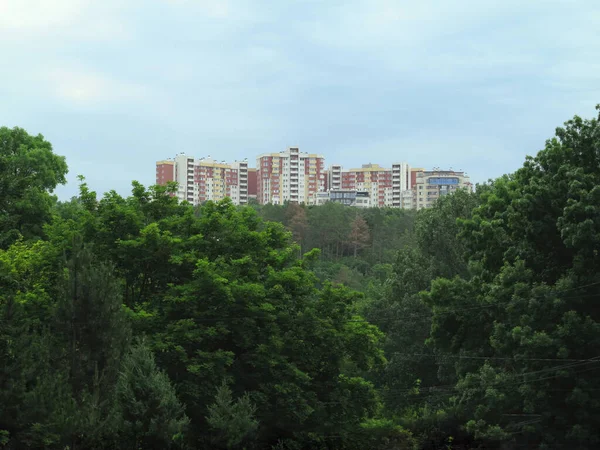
(140, 322)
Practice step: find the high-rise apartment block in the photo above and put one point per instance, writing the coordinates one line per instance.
(205, 179)
(252, 185)
(384, 186)
(183, 174)
(431, 185)
(165, 171)
(298, 177)
(290, 175)
(217, 180)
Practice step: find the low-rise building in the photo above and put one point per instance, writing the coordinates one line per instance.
(346, 197)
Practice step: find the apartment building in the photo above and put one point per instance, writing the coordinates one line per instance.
(383, 185)
(183, 174)
(290, 175)
(433, 184)
(217, 180)
(334, 177)
(406, 199)
(400, 183)
(347, 197)
(300, 177)
(205, 179)
(165, 171)
(252, 185)
(413, 175)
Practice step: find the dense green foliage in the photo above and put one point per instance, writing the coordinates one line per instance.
(29, 171)
(140, 322)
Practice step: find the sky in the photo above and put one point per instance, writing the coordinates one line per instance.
(116, 85)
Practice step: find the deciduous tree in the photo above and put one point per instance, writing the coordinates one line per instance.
(29, 171)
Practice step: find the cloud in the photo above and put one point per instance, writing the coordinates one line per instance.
(437, 82)
(27, 15)
(79, 87)
(457, 41)
(59, 19)
(211, 8)
(223, 11)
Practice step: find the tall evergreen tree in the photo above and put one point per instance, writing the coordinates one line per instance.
(150, 412)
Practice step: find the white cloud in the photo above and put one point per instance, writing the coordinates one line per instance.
(215, 8)
(487, 38)
(385, 24)
(230, 10)
(56, 19)
(27, 15)
(86, 88)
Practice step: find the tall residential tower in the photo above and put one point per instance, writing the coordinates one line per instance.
(205, 179)
(433, 184)
(383, 186)
(290, 175)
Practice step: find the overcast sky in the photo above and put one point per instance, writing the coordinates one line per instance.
(470, 84)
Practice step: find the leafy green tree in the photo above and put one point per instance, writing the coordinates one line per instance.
(524, 328)
(36, 405)
(29, 171)
(437, 250)
(218, 293)
(437, 230)
(250, 313)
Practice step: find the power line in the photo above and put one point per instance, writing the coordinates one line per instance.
(449, 391)
(498, 358)
(444, 390)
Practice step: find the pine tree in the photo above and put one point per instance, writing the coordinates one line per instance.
(233, 420)
(152, 416)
